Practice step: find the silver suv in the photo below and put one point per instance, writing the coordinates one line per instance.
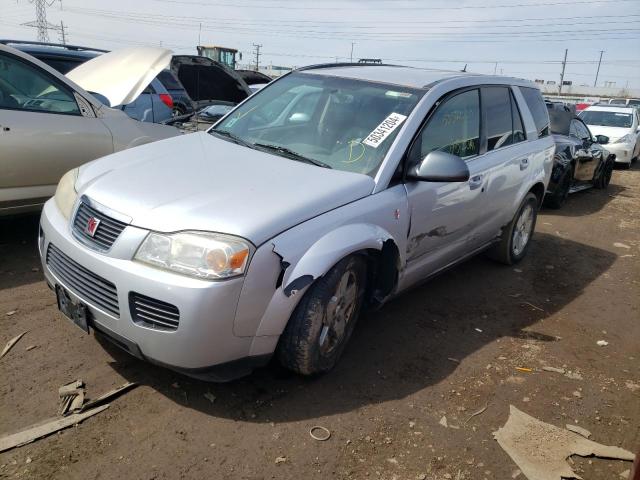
(332, 188)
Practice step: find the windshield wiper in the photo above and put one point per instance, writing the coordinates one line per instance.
(232, 137)
(284, 151)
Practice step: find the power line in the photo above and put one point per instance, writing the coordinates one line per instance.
(396, 7)
(567, 35)
(226, 25)
(351, 23)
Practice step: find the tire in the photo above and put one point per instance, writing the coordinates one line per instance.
(557, 199)
(177, 111)
(319, 328)
(516, 237)
(604, 178)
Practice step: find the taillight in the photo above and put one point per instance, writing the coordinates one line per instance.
(166, 99)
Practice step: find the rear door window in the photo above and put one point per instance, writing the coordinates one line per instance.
(538, 109)
(518, 128)
(169, 81)
(503, 123)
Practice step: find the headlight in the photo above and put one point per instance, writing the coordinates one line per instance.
(628, 138)
(66, 192)
(209, 256)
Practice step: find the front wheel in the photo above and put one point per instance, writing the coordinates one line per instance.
(559, 196)
(323, 321)
(604, 178)
(516, 236)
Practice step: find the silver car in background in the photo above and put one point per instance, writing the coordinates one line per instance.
(49, 124)
(332, 188)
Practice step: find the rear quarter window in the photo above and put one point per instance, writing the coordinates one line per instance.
(169, 81)
(538, 109)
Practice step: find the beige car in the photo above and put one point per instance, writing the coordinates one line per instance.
(49, 124)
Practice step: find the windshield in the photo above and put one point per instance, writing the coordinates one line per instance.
(606, 119)
(340, 123)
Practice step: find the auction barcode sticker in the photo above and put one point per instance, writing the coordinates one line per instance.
(386, 128)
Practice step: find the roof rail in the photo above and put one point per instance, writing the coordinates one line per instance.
(76, 48)
(343, 64)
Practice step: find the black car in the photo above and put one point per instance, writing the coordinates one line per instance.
(580, 160)
(182, 102)
(208, 82)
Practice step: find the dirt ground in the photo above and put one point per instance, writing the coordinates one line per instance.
(447, 348)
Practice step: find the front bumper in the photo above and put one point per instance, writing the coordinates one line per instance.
(622, 151)
(204, 337)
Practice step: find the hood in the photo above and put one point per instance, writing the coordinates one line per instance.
(205, 79)
(123, 74)
(200, 182)
(614, 133)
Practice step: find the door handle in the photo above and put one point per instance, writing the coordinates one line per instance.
(524, 163)
(475, 182)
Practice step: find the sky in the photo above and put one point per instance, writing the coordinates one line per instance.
(523, 38)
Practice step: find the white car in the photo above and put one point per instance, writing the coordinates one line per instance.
(621, 124)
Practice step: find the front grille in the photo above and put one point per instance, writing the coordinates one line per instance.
(109, 229)
(153, 313)
(84, 283)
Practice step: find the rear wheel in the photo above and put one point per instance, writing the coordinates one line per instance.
(516, 237)
(324, 319)
(559, 196)
(178, 110)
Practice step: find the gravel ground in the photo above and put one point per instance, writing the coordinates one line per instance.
(445, 349)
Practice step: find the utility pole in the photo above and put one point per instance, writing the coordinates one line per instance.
(495, 68)
(63, 35)
(564, 64)
(595, 83)
(257, 54)
(352, 44)
(199, 33)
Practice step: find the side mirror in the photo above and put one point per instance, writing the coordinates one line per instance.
(440, 167)
(299, 118)
(602, 139)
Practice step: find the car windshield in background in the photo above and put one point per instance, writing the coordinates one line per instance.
(606, 119)
(340, 123)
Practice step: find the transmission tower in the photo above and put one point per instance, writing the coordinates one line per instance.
(41, 22)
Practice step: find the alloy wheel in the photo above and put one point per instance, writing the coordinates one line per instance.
(522, 230)
(339, 312)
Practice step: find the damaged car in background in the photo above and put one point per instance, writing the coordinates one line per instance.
(580, 160)
(214, 88)
(50, 123)
(335, 188)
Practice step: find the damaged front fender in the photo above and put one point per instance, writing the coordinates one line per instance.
(295, 268)
(328, 251)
